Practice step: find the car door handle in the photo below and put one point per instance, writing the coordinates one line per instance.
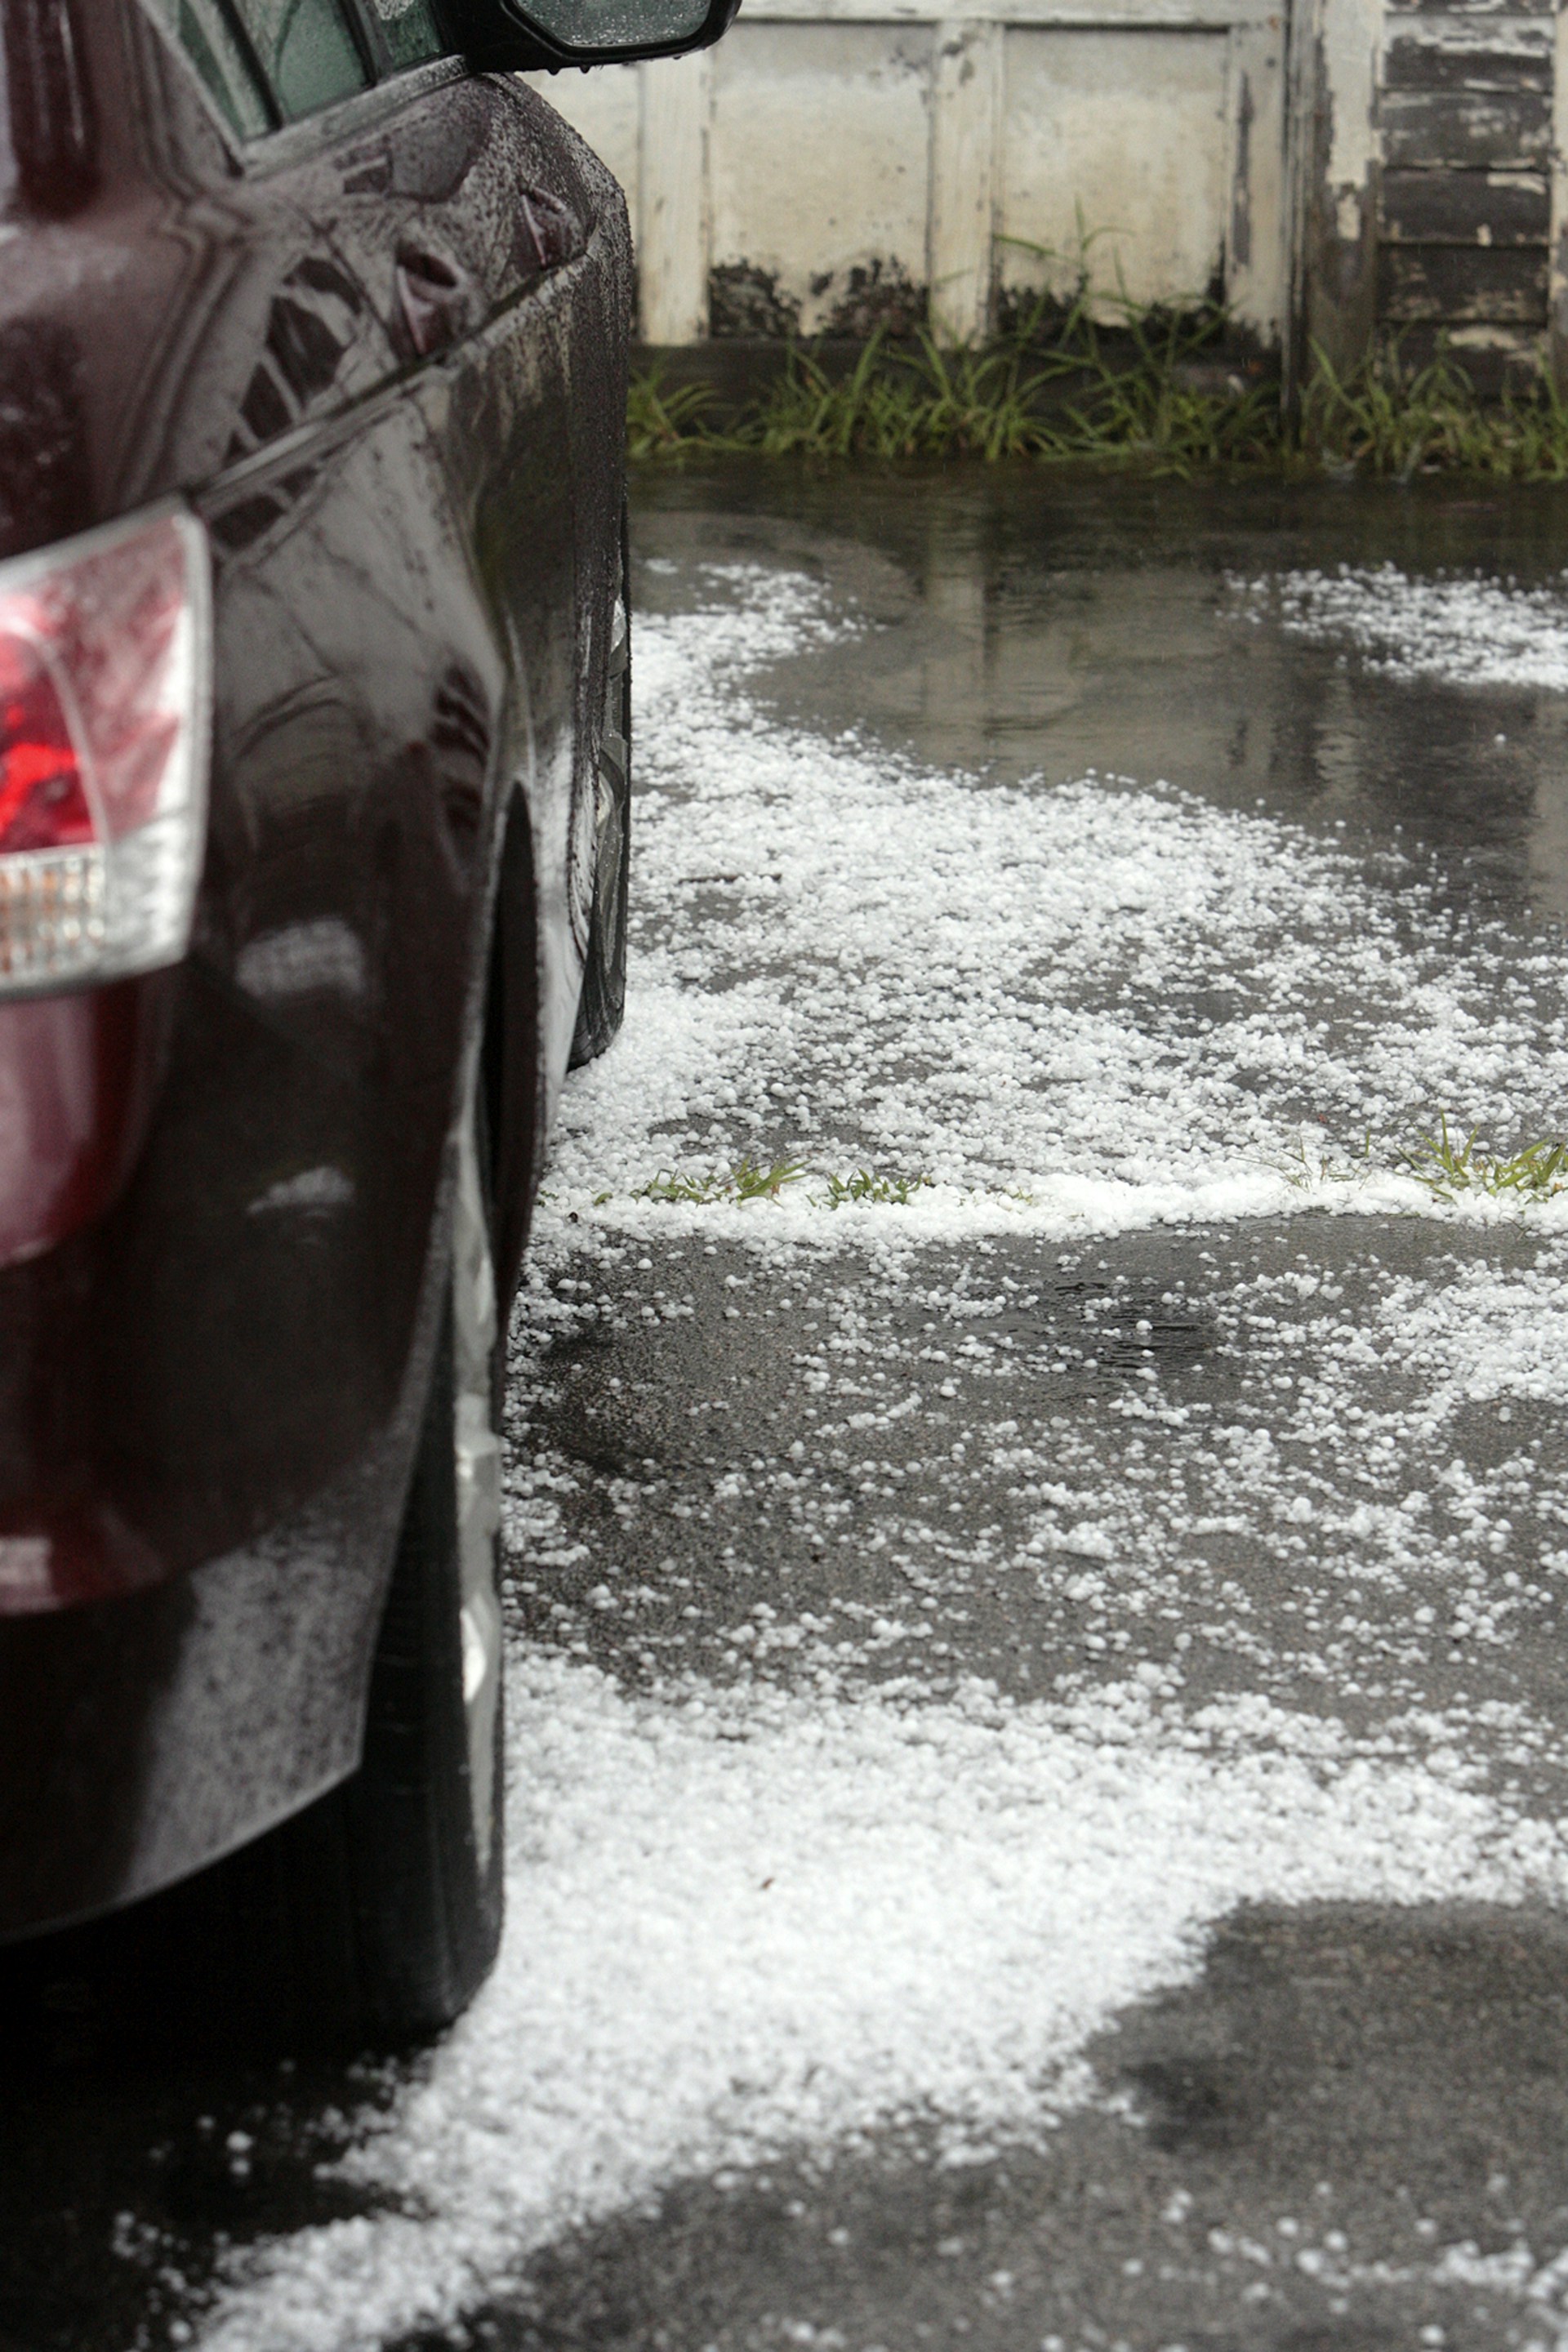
(435, 300)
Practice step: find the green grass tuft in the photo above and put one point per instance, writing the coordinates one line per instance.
(1538, 1172)
(881, 1191)
(1447, 1169)
(667, 423)
(1324, 1163)
(1100, 380)
(751, 1180)
(1388, 419)
(748, 1180)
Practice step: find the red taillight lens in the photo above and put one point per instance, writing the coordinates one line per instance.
(103, 711)
(42, 801)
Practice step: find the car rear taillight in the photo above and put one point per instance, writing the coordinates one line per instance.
(104, 688)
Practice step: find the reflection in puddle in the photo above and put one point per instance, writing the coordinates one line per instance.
(1065, 628)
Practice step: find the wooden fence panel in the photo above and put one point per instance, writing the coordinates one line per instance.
(840, 164)
(1329, 167)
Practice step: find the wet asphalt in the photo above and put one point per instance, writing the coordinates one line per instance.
(1276, 2147)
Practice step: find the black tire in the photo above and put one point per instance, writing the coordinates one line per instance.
(423, 1848)
(400, 1871)
(603, 1002)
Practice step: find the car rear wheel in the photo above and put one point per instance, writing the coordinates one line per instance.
(422, 1818)
(604, 998)
(372, 1919)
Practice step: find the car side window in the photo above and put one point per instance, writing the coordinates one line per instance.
(267, 62)
(410, 31)
(203, 29)
(307, 51)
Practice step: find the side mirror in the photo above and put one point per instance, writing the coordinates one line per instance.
(522, 36)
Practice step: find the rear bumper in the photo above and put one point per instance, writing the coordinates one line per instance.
(142, 1738)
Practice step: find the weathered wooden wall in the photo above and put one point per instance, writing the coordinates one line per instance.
(1344, 165)
(836, 164)
(1465, 198)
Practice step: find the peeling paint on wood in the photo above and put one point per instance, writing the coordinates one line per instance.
(1400, 9)
(1467, 208)
(1465, 110)
(1463, 283)
(1241, 186)
(1435, 59)
(1492, 355)
(1466, 129)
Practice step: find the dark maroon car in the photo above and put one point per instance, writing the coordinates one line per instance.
(313, 773)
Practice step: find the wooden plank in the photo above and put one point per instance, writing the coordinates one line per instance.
(1397, 9)
(966, 98)
(1255, 282)
(1455, 284)
(1429, 55)
(1456, 28)
(1487, 208)
(1465, 128)
(1493, 357)
(1067, 16)
(672, 233)
(1303, 63)
(1557, 283)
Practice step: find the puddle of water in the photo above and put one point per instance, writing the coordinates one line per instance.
(1059, 626)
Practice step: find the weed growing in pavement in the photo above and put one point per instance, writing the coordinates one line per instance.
(882, 1192)
(1538, 1172)
(1446, 1168)
(753, 1182)
(1098, 378)
(748, 1180)
(1309, 1162)
(700, 1189)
